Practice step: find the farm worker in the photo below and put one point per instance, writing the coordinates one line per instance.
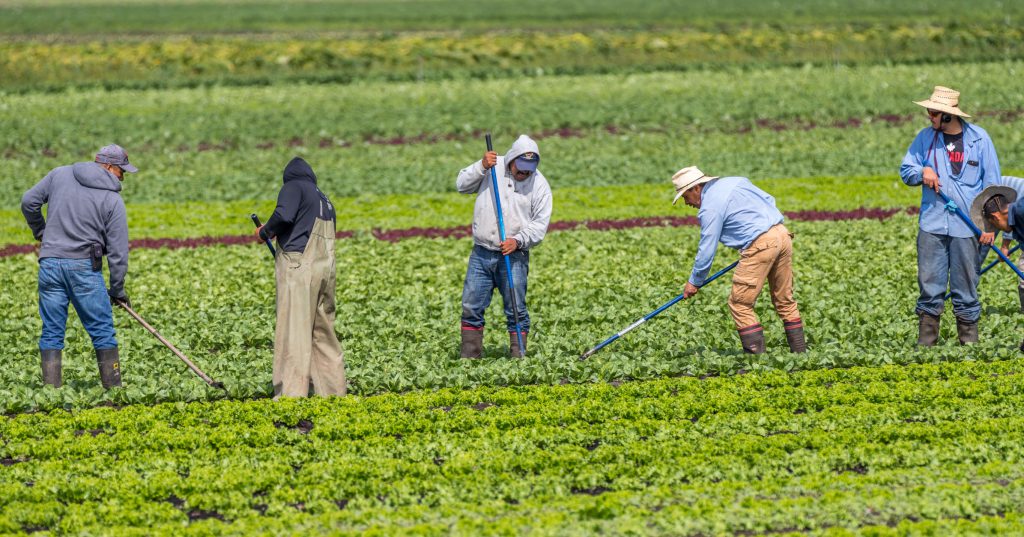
(736, 213)
(526, 209)
(1017, 184)
(999, 208)
(306, 349)
(85, 220)
(958, 158)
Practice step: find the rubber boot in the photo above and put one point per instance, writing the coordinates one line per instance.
(110, 367)
(752, 339)
(795, 335)
(927, 329)
(967, 332)
(513, 345)
(472, 342)
(1020, 293)
(50, 359)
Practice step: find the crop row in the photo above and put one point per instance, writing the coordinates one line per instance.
(685, 104)
(399, 309)
(882, 450)
(182, 61)
(424, 214)
(79, 17)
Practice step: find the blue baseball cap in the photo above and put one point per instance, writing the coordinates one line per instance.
(116, 155)
(527, 162)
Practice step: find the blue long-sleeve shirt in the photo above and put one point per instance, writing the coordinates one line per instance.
(1016, 183)
(735, 212)
(980, 169)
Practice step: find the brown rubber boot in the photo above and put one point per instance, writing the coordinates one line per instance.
(50, 359)
(795, 335)
(513, 345)
(966, 332)
(110, 367)
(752, 339)
(927, 329)
(472, 342)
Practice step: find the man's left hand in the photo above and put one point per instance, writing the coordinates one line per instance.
(689, 290)
(509, 246)
(987, 238)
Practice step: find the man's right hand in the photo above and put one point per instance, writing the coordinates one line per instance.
(930, 179)
(490, 159)
(118, 300)
(1005, 250)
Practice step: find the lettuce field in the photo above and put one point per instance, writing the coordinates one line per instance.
(669, 431)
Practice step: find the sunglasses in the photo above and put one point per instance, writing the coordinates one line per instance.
(934, 113)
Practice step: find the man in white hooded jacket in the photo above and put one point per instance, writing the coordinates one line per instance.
(526, 209)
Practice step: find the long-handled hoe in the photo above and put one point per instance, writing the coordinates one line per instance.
(654, 313)
(179, 354)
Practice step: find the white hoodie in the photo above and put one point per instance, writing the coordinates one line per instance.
(525, 205)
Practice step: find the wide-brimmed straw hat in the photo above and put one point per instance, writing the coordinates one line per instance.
(978, 205)
(945, 100)
(687, 178)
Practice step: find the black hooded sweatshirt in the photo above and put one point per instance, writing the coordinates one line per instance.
(299, 204)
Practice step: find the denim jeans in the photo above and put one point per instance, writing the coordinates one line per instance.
(942, 259)
(72, 280)
(487, 271)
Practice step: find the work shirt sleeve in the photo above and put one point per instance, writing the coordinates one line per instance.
(914, 162)
(32, 206)
(540, 217)
(990, 162)
(469, 179)
(711, 222)
(116, 239)
(289, 199)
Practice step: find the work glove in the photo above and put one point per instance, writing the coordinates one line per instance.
(120, 299)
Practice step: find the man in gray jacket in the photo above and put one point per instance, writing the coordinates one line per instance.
(86, 220)
(526, 209)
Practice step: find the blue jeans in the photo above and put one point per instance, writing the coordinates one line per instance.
(73, 280)
(487, 271)
(942, 259)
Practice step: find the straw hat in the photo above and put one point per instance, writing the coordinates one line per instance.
(945, 100)
(978, 205)
(687, 178)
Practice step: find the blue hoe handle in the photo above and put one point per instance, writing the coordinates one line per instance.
(654, 313)
(508, 264)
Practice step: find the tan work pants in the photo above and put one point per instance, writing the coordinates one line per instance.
(769, 257)
(306, 349)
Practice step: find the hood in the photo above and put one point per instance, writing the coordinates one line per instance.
(92, 175)
(524, 144)
(299, 170)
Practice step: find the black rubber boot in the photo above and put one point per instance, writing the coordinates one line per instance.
(927, 329)
(50, 359)
(513, 345)
(752, 339)
(110, 367)
(795, 335)
(967, 332)
(472, 343)
(1020, 293)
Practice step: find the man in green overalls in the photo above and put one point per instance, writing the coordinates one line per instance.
(306, 349)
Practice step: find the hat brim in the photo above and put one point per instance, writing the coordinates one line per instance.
(526, 165)
(942, 108)
(701, 181)
(129, 168)
(978, 205)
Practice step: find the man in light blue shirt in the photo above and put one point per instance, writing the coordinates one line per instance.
(741, 216)
(959, 159)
